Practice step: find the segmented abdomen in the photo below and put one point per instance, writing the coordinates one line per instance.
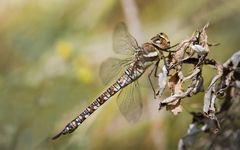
(131, 74)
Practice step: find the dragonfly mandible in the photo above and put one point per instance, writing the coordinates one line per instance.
(139, 58)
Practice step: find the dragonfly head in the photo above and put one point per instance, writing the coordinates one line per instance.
(161, 40)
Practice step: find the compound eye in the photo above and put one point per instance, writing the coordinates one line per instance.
(168, 42)
(161, 33)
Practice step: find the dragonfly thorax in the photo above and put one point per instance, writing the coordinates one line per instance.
(150, 52)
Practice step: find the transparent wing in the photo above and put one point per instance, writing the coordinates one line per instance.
(129, 101)
(112, 68)
(123, 41)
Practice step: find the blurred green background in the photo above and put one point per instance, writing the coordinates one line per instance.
(50, 53)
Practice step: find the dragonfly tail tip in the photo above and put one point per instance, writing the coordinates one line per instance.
(57, 136)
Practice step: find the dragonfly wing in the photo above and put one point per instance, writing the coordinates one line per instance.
(112, 68)
(123, 41)
(130, 102)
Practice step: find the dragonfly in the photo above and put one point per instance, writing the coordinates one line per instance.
(137, 59)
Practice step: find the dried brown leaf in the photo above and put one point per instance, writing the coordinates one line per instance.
(172, 83)
(203, 38)
(162, 80)
(209, 103)
(175, 107)
(199, 49)
(179, 55)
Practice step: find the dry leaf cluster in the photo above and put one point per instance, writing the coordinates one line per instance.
(225, 84)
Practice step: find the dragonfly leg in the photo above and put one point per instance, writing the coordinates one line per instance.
(168, 49)
(155, 75)
(156, 69)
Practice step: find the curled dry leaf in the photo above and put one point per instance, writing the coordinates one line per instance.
(172, 83)
(199, 85)
(203, 38)
(233, 62)
(173, 103)
(162, 80)
(175, 107)
(181, 49)
(225, 75)
(223, 83)
(200, 50)
(209, 100)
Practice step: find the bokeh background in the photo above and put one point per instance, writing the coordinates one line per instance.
(50, 53)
